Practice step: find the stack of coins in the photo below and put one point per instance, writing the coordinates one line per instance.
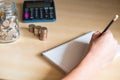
(39, 31)
(36, 30)
(43, 33)
(31, 28)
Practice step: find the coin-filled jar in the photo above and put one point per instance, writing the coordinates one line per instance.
(9, 28)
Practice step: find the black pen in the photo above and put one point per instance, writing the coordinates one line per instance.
(111, 22)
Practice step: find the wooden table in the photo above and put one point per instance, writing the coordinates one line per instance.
(22, 60)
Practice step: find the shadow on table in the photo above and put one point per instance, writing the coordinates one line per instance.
(24, 31)
(74, 53)
(54, 73)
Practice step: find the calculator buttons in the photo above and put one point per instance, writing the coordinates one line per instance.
(26, 10)
(31, 13)
(51, 12)
(46, 15)
(41, 13)
(26, 15)
(36, 13)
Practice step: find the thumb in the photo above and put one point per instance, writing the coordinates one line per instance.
(96, 35)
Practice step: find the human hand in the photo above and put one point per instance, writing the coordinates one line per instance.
(102, 48)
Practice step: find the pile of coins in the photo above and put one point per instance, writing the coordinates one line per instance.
(39, 31)
(8, 27)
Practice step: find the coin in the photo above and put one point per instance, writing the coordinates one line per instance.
(2, 16)
(31, 28)
(43, 33)
(6, 23)
(36, 30)
(12, 25)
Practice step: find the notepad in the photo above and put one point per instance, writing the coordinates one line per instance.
(68, 55)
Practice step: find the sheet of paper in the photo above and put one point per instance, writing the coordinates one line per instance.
(68, 55)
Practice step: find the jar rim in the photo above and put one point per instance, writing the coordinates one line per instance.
(7, 4)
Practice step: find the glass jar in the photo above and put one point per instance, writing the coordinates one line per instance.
(9, 28)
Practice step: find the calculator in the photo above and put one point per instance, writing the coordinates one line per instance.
(39, 11)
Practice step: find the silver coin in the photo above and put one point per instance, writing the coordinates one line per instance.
(6, 23)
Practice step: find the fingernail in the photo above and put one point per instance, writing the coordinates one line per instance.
(97, 32)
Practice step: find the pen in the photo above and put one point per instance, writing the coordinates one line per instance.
(111, 22)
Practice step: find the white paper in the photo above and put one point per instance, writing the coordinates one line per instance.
(68, 55)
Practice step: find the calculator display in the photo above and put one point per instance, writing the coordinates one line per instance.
(38, 5)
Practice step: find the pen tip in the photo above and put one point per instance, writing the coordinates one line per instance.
(116, 17)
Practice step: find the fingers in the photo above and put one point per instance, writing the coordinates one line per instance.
(96, 35)
(105, 36)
